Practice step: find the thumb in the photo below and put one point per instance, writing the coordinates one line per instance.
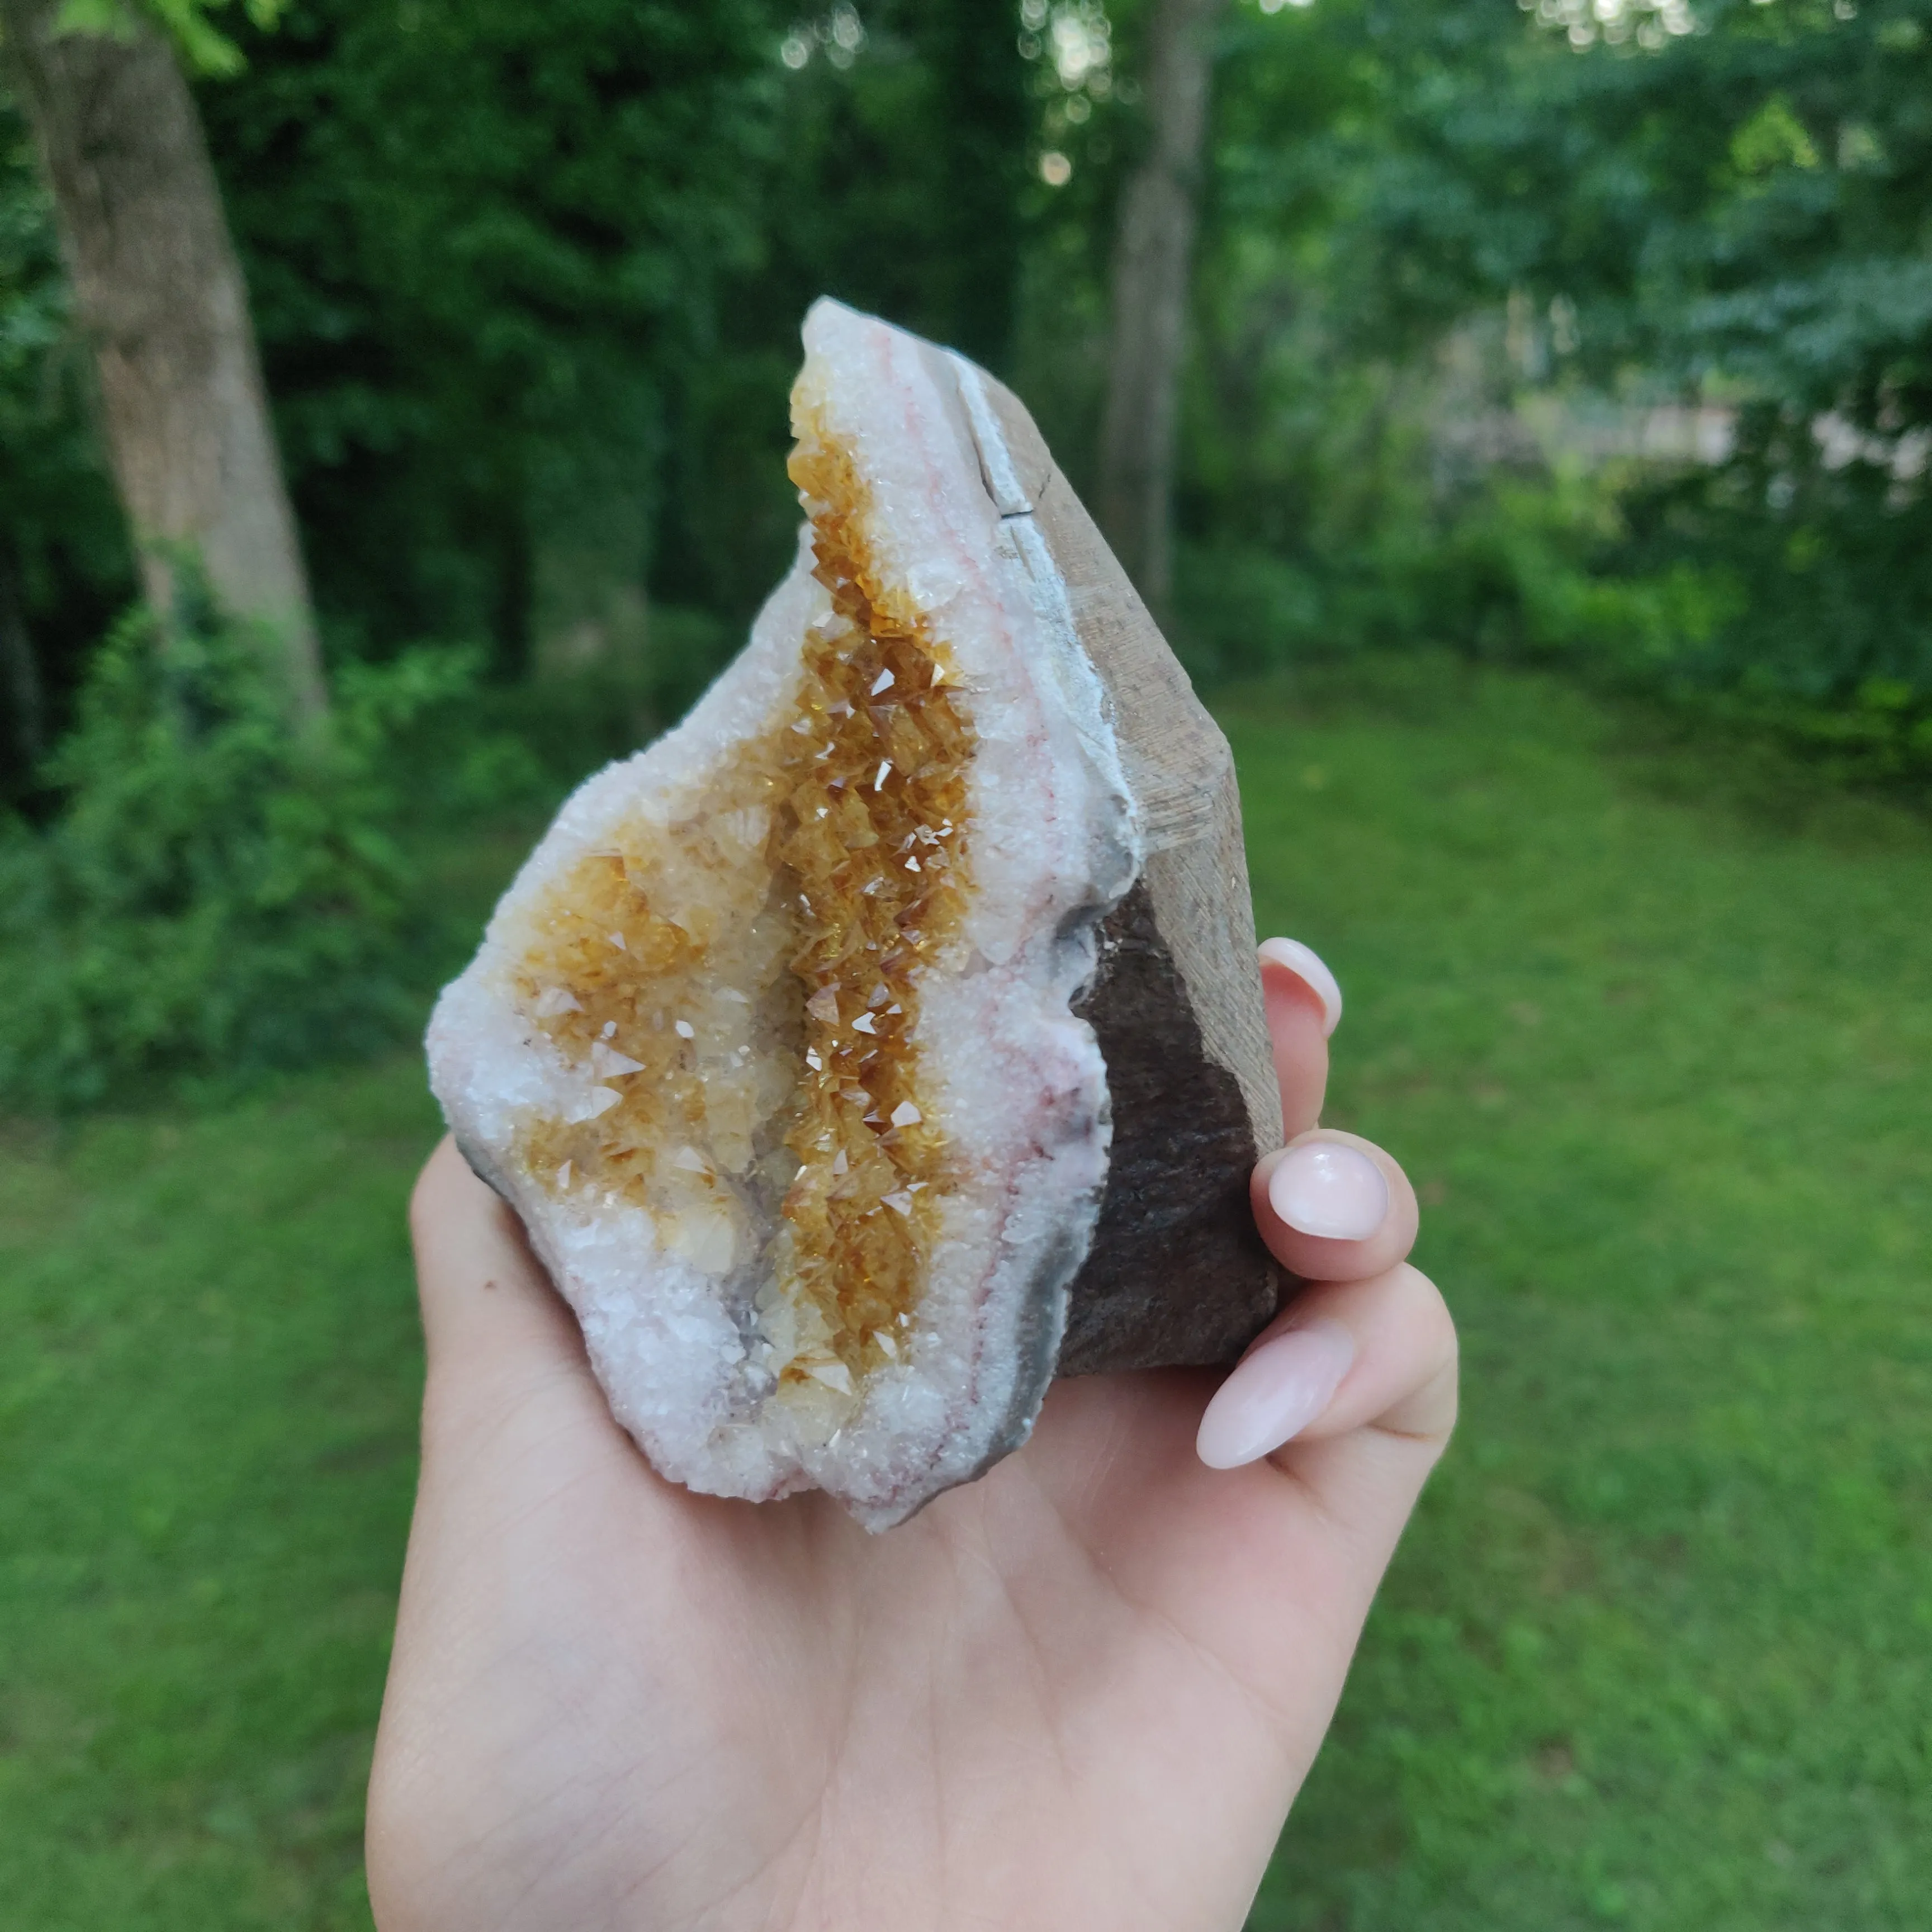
(492, 1325)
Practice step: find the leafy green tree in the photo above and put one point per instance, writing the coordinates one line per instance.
(1744, 197)
(529, 280)
(485, 239)
(1709, 200)
(1732, 199)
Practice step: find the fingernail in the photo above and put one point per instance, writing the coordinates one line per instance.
(1275, 1394)
(1325, 1188)
(1306, 966)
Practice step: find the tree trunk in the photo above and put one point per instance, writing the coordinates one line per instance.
(1152, 253)
(20, 678)
(158, 291)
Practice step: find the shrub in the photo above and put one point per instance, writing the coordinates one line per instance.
(1813, 626)
(219, 891)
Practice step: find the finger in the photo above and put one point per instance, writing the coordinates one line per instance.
(487, 1303)
(1332, 1206)
(1304, 1006)
(1345, 1357)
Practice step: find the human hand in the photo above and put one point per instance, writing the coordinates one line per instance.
(1081, 1692)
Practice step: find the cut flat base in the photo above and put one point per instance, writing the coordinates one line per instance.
(889, 1033)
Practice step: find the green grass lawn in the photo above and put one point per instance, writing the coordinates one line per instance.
(1655, 1041)
(1652, 1029)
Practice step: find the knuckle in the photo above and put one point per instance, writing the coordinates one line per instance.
(1429, 1317)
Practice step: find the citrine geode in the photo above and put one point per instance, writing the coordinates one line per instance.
(888, 1035)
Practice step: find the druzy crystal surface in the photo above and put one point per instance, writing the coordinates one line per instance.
(745, 984)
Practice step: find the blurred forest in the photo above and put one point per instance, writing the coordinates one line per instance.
(1593, 331)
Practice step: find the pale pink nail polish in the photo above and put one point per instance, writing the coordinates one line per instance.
(1306, 964)
(1327, 1189)
(1274, 1394)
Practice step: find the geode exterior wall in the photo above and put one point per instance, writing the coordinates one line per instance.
(1176, 1273)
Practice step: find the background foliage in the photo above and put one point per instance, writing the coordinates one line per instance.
(528, 281)
(221, 894)
(1495, 236)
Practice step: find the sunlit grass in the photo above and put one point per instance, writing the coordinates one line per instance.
(1656, 1042)
(207, 1443)
(1653, 1031)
